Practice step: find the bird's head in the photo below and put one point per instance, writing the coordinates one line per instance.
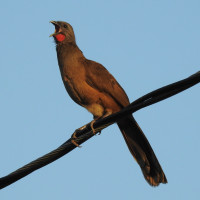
(63, 32)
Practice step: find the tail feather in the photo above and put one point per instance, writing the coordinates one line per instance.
(142, 151)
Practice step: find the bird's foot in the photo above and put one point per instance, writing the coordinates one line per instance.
(74, 139)
(92, 126)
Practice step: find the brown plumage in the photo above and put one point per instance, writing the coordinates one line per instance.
(90, 85)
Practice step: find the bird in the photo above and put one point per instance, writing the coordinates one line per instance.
(91, 85)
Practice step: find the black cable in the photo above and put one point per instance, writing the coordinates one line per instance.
(86, 133)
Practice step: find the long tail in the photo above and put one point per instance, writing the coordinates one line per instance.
(142, 151)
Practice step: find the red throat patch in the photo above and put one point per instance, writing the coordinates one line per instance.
(60, 37)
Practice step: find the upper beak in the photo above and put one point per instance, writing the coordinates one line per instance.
(54, 22)
(57, 28)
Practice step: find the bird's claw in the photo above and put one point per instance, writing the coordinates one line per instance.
(92, 126)
(73, 140)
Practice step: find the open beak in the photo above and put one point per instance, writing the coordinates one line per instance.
(57, 28)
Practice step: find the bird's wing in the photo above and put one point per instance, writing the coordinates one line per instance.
(98, 77)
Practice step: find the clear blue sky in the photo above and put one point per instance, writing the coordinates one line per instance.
(145, 45)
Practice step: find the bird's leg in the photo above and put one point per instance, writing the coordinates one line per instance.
(92, 124)
(74, 137)
(73, 140)
(107, 112)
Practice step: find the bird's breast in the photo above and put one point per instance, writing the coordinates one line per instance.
(73, 79)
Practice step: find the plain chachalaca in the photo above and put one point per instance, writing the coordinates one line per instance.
(90, 85)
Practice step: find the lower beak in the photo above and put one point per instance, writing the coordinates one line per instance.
(52, 34)
(55, 24)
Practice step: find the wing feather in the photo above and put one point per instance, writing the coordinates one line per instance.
(99, 78)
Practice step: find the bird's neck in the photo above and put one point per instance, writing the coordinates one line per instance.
(69, 57)
(68, 50)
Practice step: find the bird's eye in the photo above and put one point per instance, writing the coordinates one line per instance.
(65, 26)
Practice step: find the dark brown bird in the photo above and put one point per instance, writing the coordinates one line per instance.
(90, 85)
